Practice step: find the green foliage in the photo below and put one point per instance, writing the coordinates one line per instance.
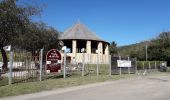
(14, 20)
(113, 48)
(18, 30)
(134, 50)
(39, 36)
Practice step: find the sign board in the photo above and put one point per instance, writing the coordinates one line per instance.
(7, 48)
(124, 63)
(53, 61)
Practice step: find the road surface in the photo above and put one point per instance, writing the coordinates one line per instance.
(138, 88)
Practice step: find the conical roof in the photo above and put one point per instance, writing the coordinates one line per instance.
(79, 31)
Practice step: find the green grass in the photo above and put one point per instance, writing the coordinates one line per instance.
(54, 83)
(3, 81)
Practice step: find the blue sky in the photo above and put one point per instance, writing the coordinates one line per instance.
(123, 21)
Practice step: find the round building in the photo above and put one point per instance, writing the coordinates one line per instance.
(79, 37)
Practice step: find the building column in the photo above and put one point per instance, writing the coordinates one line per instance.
(74, 46)
(107, 50)
(88, 47)
(100, 48)
(100, 51)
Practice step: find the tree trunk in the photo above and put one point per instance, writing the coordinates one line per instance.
(5, 60)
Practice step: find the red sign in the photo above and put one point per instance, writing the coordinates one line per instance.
(53, 61)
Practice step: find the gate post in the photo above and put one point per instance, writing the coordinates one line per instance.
(10, 68)
(41, 63)
(64, 72)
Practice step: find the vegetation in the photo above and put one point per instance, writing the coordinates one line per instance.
(113, 48)
(158, 49)
(18, 30)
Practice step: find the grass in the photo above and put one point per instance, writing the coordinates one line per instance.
(54, 83)
(3, 81)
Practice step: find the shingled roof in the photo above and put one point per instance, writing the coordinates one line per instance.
(81, 32)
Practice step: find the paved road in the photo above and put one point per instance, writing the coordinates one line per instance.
(140, 88)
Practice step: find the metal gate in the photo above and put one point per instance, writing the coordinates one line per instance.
(25, 67)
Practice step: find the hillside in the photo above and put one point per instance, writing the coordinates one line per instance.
(157, 49)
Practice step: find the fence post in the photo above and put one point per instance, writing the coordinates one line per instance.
(128, 67)
(110, 64)
(97, 65)
(83, 64)
(149, 65)
(41, 63)
(143, 66)
(10, 68)
(155, 65)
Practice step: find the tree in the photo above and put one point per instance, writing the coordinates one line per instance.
(13, 22)
(160, 47)
(113, 48)
(40, 36)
